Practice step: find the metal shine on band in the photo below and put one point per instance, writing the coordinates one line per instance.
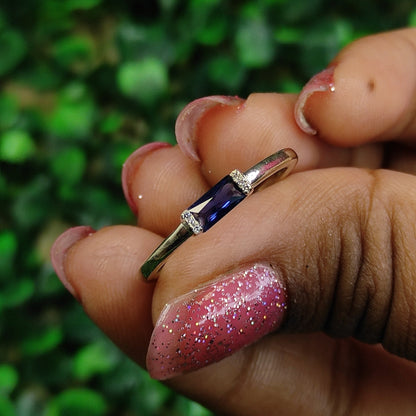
(217, 202)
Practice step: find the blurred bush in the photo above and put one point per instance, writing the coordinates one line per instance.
(84, 83)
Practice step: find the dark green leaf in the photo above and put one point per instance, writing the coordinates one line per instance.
(9, 377)
(8, 250)
(17, 292)
(12, 50)
(226, 72)
(75, 53)
(94, 359)
(145, 81)
(7, 407)
(254, 43)
(16, 146)
(42, 341)
(69, 165)
(73, 116)
(79, 402)
(9, 111)
(81, 4)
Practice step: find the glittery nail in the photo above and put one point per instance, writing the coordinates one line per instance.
(212, 322)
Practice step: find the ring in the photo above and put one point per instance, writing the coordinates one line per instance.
(217, 202)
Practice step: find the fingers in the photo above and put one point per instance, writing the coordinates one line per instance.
(238, 135)
(367, 93)
(274, 377)
(161, 181)
(162, 184)
(101, 270)
(340, 243)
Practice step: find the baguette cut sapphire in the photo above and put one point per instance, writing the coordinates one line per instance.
(216, 203)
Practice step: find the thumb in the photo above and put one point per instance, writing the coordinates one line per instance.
(324, 250)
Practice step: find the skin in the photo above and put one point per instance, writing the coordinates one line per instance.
(343, 238)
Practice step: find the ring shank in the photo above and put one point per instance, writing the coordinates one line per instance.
(156, 261)
(277, 165)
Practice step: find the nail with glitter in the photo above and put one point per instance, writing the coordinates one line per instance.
(213, 322)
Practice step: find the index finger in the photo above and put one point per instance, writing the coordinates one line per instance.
(224, 133)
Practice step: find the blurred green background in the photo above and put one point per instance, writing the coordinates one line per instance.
(83, 84)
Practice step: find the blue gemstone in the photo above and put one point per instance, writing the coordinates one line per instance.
(216, 203)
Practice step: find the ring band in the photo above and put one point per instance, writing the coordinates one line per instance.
(217, 202)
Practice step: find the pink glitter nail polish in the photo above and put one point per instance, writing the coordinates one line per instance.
(214, 321)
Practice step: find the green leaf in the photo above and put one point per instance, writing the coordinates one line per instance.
(254, 43)
(412, 18)
(9, 111)
(213, 32)
(153, 395)
(17, 292)
(136, 42)
(323, 41)
(16, 146)
(226, 72)
(119, 153)
(111, 123)
(74, 52)
(69, 165)
(79, 402)
(9, 378)
(191, 408)
(81, 4)
(12, 50)
(288, 35)
(8, 250)
(42, 76)
(74, 114)
(7, 407)
(94, 359)
(28, 208)
(42, 342)
(145, 81)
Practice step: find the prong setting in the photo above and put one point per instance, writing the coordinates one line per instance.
(190, 221)
(241, 181)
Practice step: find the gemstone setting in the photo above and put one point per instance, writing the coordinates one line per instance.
(241, 181)
(189, 220)
(213, 205)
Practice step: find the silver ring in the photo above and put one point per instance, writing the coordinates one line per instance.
(217, 202)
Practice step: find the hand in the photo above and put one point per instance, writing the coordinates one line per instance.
(338, 238)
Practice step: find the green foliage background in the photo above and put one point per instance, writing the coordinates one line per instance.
(83, 84)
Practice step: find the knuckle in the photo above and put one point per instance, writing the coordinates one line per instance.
(375, 292)
(362, 295)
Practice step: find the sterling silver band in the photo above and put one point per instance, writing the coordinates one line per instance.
(204, 213)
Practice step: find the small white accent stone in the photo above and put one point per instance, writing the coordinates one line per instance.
(191, 222)
(241, 181)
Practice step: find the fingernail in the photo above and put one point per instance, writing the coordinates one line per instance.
(130, 167)
(187, 122)
(214, 321)
(60, 249)
(321, 82)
